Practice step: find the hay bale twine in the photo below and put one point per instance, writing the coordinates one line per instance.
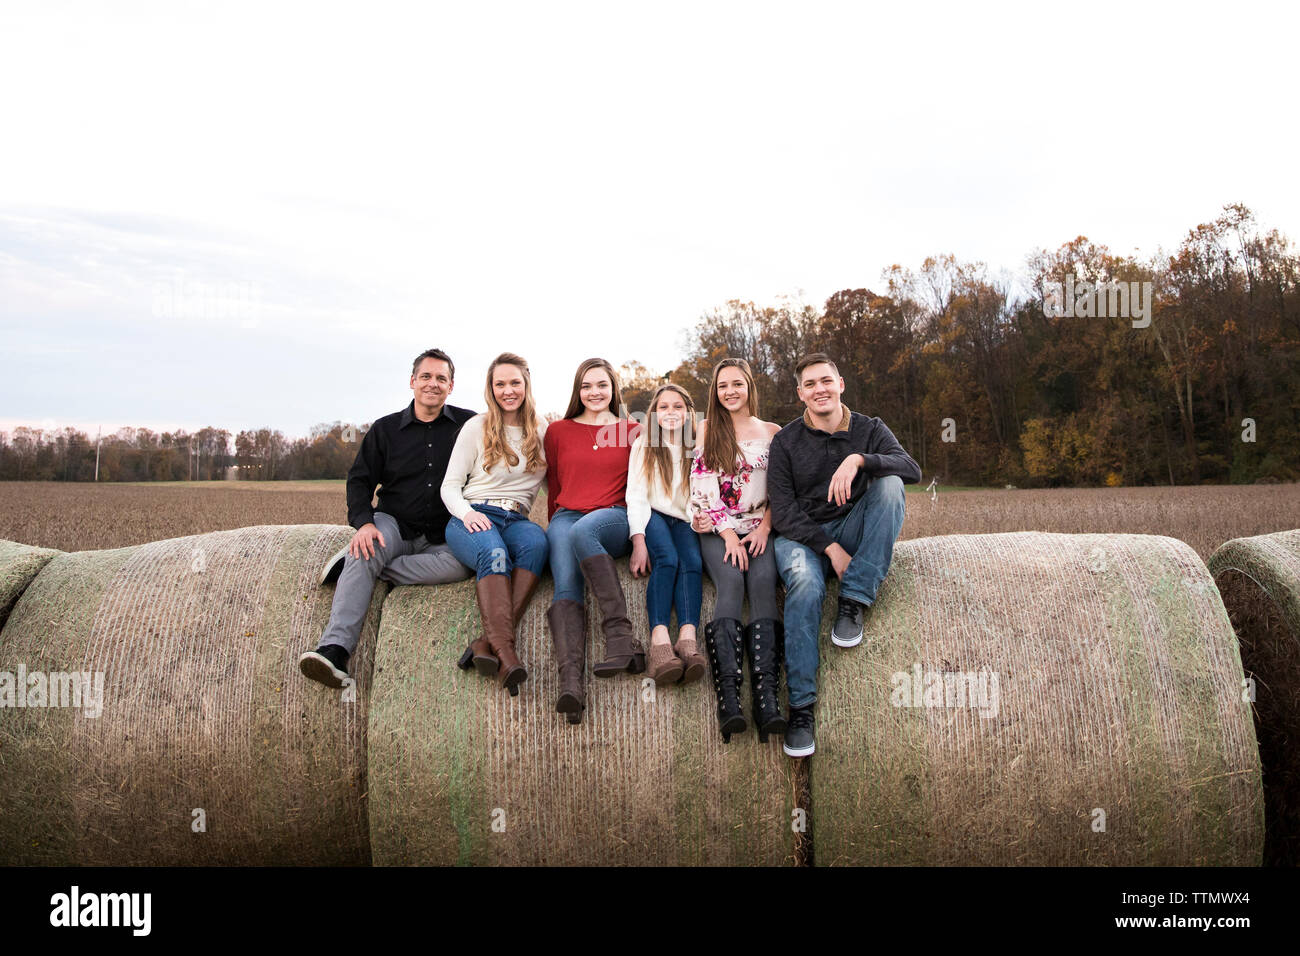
(203, 708)
(460, 772)
(1118, 704)
(19, 563)
(1259, 579)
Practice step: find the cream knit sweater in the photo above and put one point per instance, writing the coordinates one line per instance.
(467, 482)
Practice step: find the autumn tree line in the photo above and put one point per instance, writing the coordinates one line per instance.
(984, 378)
(985, 382)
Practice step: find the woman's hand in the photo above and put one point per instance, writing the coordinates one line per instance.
(640, 563)
(756, 540)
(701, 523)
(735, 553)
(476, 521)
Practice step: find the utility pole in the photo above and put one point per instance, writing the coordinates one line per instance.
(97, 436)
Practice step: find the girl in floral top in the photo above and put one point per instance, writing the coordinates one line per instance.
(729, 500)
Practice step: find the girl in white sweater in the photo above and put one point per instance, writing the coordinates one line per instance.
(663, 542)
(496, 467)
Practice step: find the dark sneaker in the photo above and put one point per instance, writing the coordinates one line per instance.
(847, 631)
(799, 733)
(327, 664)
(334, 567)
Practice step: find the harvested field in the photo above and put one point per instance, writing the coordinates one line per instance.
(81, 516)
(1259, 579)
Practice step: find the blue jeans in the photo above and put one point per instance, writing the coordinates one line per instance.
(676, 575)
(512, 541)
(868, 533)
(575, 536)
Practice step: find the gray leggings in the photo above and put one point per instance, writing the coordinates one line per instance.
(731, 582)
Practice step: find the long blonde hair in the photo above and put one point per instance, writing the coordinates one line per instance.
(658, 457)
(495, 446)
(721, 452)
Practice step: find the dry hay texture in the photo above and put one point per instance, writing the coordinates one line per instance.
(1120, 689)
(1259, 579)
(203, 708)
(462, 773)
(18, 565)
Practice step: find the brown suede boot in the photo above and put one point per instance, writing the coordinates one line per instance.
(623, 652)
(665, 666)
(495, 608)
(569, 635)
(694, 663)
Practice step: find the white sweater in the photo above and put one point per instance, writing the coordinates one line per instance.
(645, 491)
(467, 482)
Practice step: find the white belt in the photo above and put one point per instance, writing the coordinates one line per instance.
(504, 503)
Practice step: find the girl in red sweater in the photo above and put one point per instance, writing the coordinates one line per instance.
(586, 480)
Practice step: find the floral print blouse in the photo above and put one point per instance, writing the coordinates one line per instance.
(736, 501)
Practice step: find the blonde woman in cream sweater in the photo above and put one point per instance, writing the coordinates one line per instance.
(497, 466)
(663, 542)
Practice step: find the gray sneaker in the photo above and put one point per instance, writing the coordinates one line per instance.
(847, 631)
(798, 740)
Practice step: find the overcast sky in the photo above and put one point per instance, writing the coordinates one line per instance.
(258, 214)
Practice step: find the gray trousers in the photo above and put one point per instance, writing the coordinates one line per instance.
(731, 583)
(396, 561)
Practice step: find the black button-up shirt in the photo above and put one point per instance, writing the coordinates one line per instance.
(407, 459)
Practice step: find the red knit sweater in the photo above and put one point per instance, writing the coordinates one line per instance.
(582, 477)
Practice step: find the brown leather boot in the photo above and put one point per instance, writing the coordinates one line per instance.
(569, 634)
(479, 656)
(623, 652)
(522, 585)
(495, 608)
(479, 653)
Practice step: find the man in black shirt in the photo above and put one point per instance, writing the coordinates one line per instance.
(406, 455)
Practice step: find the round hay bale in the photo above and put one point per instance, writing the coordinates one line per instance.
(211, 747)
(460, 772)
(1259, 579)
(1115, 732)
(19, 563)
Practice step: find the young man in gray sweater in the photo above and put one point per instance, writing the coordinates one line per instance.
(835, 484)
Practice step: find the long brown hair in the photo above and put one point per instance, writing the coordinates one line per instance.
(615, 396)
(495, 446)
(658, 456)
(721, 452)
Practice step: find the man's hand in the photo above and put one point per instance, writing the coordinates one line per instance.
(841, 486)
(476, 521)
(640, 563)
(362, 544)
(839, 559)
